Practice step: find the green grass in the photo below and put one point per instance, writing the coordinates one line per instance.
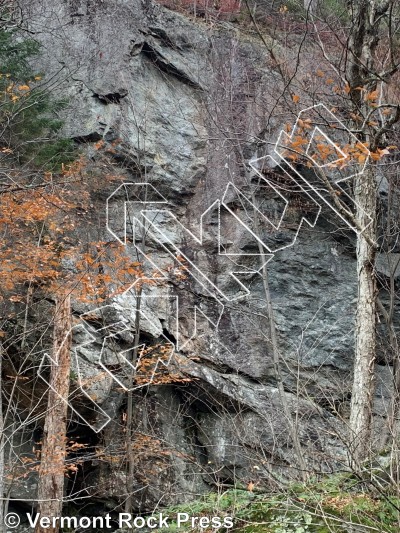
(333, 504)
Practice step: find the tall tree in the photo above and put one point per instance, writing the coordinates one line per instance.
(355, 45)
(366, 81)
(51, 471)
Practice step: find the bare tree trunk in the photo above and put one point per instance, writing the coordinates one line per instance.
(311, 7)
(364, 359)
(130, 454)
(363, 40)
(292, 425)
(51, 471)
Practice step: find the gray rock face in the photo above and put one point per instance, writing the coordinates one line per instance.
(184, 104)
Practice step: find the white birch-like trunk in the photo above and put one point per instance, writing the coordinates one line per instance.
(365, 345)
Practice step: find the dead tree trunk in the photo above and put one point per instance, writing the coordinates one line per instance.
(52, 465)
(130, 454)
(292, 425)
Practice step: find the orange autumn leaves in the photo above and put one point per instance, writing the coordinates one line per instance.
(41, 247)
(105, 270)
(343, 89)
(309, 147)
(29, 251)
(155, 365)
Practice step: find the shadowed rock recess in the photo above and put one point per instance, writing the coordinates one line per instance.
(185, 106)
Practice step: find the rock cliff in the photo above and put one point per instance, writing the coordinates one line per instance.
(184, 106)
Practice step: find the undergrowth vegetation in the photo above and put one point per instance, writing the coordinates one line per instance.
(337, 503)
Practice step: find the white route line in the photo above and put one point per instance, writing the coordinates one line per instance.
(321, 115)
(149, 220)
